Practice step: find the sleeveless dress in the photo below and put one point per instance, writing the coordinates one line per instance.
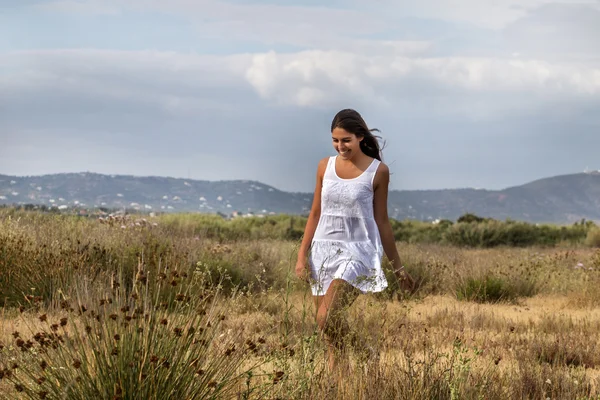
(346, 244)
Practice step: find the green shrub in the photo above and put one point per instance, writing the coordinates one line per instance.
(593, 238)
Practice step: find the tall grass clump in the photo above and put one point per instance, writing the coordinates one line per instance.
(124, 341)
(41, 253)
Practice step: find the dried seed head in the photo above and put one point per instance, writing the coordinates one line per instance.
(88, 329)
(140, 329)
(200, 372)
(153, 359)
(261, 340)
(114, 352)
(41, 380)
(102, 302)
(163, 321)
(15, 334)
(180, 297)
(82, 308)
(277, 377)
(43, 394)
(174, 283)
(230, 350)
(63, 321)
(135, 296)
(76, 363)
(43, 317)
(251, 345)
(162, 276)
(178, 331)
(128, 318)
(113, 317)
(125, 309)
(19, 388)
(14, 366)
(43, 365)
(54, 327)
(22, 309)
(117, 337)
(20, 342)
(64, 305)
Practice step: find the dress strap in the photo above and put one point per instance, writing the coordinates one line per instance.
(373, 170)
(329, 170)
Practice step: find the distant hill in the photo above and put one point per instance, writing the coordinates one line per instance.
(559, 199)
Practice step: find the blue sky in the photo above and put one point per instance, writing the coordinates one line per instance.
(466, 93)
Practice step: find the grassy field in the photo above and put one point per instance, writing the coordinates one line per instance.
(150, 308)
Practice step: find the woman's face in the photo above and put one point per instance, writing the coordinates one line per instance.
(345, 143)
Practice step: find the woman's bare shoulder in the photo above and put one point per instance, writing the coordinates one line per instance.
(383, 169)
(322, 165)
(382, 175)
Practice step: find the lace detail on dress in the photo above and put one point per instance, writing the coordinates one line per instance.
(347, 199)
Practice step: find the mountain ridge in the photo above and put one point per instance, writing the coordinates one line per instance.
(557, 199)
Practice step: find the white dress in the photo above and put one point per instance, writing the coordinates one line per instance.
(346, 244)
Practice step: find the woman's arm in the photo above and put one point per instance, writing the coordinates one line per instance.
(311, 223)
(381, 183)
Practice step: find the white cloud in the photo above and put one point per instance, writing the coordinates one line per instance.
(173, 82)
(270, 24)
(558, 31)
(489, 14)
(318, 78)
(188, 83)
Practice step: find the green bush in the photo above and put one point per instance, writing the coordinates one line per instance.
(593, 238)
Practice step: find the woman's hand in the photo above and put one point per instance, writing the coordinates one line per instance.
(302, 272)
(405, 281)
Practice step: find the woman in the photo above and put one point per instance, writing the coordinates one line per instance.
(348, 228)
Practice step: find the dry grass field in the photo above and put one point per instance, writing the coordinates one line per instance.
(92, 310)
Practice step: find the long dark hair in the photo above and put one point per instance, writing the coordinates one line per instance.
(352, 122)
